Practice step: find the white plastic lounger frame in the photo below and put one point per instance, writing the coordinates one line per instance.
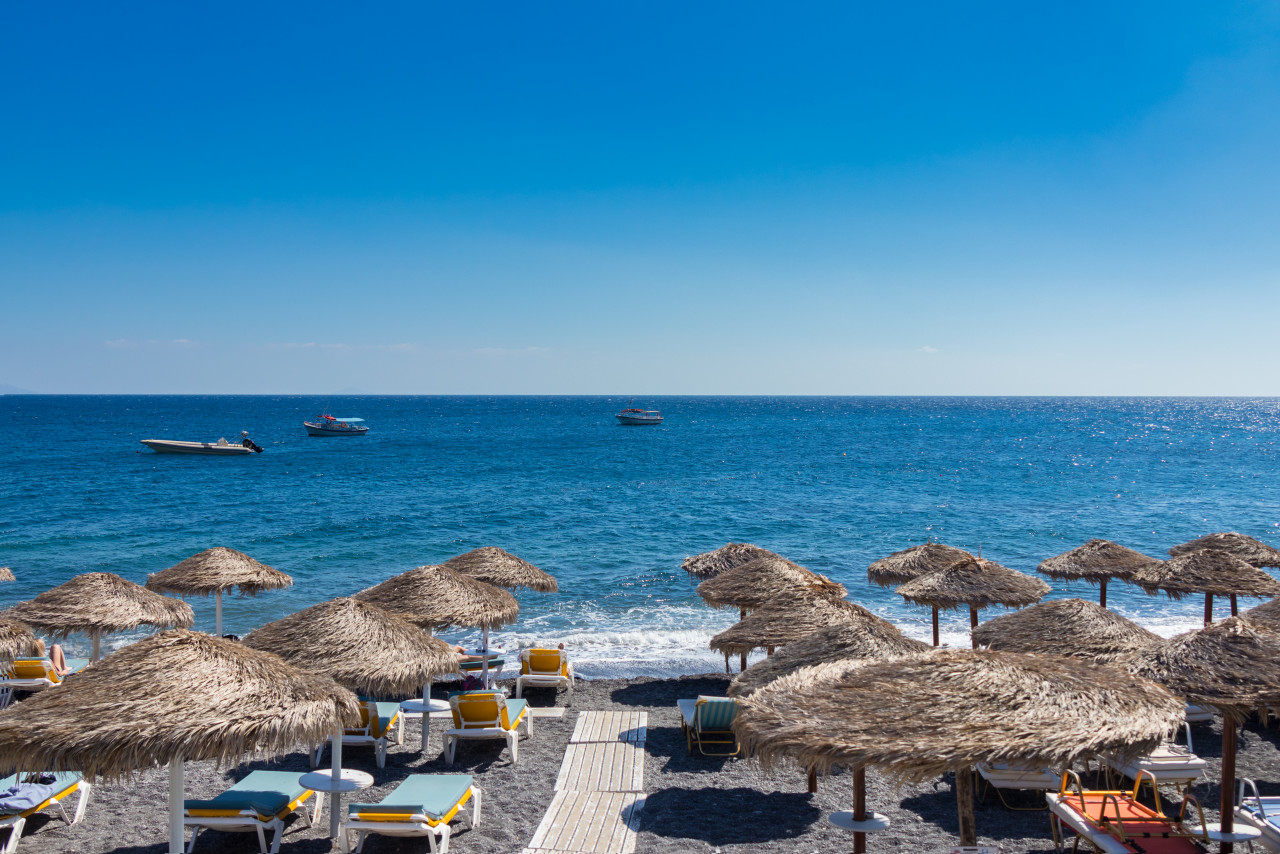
(1016, 777)
(50, 679)
(16, 823)
(249, 821)
(360, 736)
(487, 729)
(1101, 841)
(560, 676)
(415, 825)
(1261, 820)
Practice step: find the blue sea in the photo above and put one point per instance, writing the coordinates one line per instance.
(832, 483)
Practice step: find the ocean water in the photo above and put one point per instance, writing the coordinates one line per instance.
(832, 483)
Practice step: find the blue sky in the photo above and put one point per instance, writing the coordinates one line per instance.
(640, 198)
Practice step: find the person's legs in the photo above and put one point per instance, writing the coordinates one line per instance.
(59, 660)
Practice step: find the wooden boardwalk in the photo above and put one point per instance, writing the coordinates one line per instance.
(599, 792)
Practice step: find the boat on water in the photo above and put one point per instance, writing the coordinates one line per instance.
(327, 425)
(638, 417)
(220, 448)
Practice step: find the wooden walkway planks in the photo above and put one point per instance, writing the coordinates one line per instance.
(594, 822)
(628, 726)
(606, 766)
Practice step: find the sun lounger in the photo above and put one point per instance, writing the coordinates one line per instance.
(1113, 821)
(421, 805)
(707, 722)
(258, 803)
(36, 674)
(33, 797)
(544, 668)
(1261, 813)
(1168, 763)
(1003, 775)
(486, 714)
(380, 724)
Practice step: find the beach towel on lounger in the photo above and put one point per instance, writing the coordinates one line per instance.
(25, 796)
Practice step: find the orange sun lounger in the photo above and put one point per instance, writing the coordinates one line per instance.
(1114, 821)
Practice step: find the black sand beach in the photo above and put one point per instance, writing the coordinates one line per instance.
(694, 803)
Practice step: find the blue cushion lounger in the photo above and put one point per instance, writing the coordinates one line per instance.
(1259, 812)
(260, 802)
(707, 721)
(64, 784)
(422, 805)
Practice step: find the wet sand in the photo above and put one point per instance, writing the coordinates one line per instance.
(694, 804)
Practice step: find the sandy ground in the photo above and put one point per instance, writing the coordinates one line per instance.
(695, 804)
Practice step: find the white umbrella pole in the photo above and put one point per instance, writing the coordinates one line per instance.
(484, 666)
(426, 713)
(97, 646)
(335, 798)
(217, 611)
(177, 836)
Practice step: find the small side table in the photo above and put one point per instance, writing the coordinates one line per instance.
(844, 820)
(1239, 833)
(413, 708)
(320, 781)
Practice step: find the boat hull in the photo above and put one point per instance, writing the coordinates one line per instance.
(211, 449)
(320, 430)
(638, 420)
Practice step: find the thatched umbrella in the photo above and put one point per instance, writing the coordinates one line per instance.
(945, 710)
(436, 597)
(217, 570)
(361, 647)
(1233, 666)
(784, 622)
(6, 574)
(1212, 572)
(1251, 551)
(1267, 614)
(910, 564)
(173, 697)
(1070, 627)
(728, 556)
(99, 603)
(1097, 562)
(17, 640)
(976, 583)
(502, 569)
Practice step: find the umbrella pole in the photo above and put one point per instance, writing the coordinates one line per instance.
(973, 624)
(335, 797)
(97, 645)
(1102, 597)
(964, 800)
(217, 613)
(859, 807)
(484, 653)
(813, 781)
(742, 658)
(1227, 815)
(1208, 608)
(1234, 612)
(426, 714)
(935, 626)
(177, 833)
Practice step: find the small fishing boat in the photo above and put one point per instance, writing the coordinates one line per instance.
(638, 417)
(220, 448)
(327, 425)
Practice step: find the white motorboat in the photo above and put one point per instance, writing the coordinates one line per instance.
(638, 417)
(327, 425)
(220, 448)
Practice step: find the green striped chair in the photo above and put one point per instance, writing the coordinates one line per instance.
(708, 722)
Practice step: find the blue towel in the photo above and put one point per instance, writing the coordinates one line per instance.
(25, 796)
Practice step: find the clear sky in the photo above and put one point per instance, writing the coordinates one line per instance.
(640, 198)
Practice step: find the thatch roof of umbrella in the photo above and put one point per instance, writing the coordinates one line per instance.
(1215, 572)
(6, 574)
(1095, 562)
(179, 693)
(781, 623)
(502, 569)
(854, 641)
(765, 580)
(358, 645)
(1232, 665)
(1071, 627)
(976, 583)
(218, 570)
(728, 556)
(919, 716)
(914, 562)
(1248, 549)
(436, 597)
(100, 602)
(1267, 614)
(17, 640)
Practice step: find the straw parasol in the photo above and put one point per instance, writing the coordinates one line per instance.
(728, 556)
(172, 697)
(99, 603)
(944, 710)
(974, 582)
(1070, 627)
(6, 574)
(17, 640)
(502, 569)
(218, 570)
(1249, 550)
(1212, 572)
(1233, 666)
(1097, 562)
(782, 623)
(361, 647)
(910, 564)
(1267, 615)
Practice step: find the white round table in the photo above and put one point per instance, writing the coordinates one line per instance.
(873, 822)
(414, 706)
(1239, 833)
(348, 781)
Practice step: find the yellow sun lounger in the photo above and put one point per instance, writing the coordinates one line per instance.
(36, 674)
(380, 724)
(421, 805)
(64, 784)
(260, 802)
(487, 714)
(544, 668)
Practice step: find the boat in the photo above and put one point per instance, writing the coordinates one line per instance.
(638, 417)
(327, 425)
(220, 448)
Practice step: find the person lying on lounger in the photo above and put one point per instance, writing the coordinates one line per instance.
(59, 660)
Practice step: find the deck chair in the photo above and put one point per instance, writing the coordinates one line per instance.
(1114, 821)
(706, 722)
(1262, 813)
(36, 674)
(421, 805)
(63, 785)
(380, 724)
(1168, 763)
(544, 668)
(258, 803)
(1006, 775)
(486, 714)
